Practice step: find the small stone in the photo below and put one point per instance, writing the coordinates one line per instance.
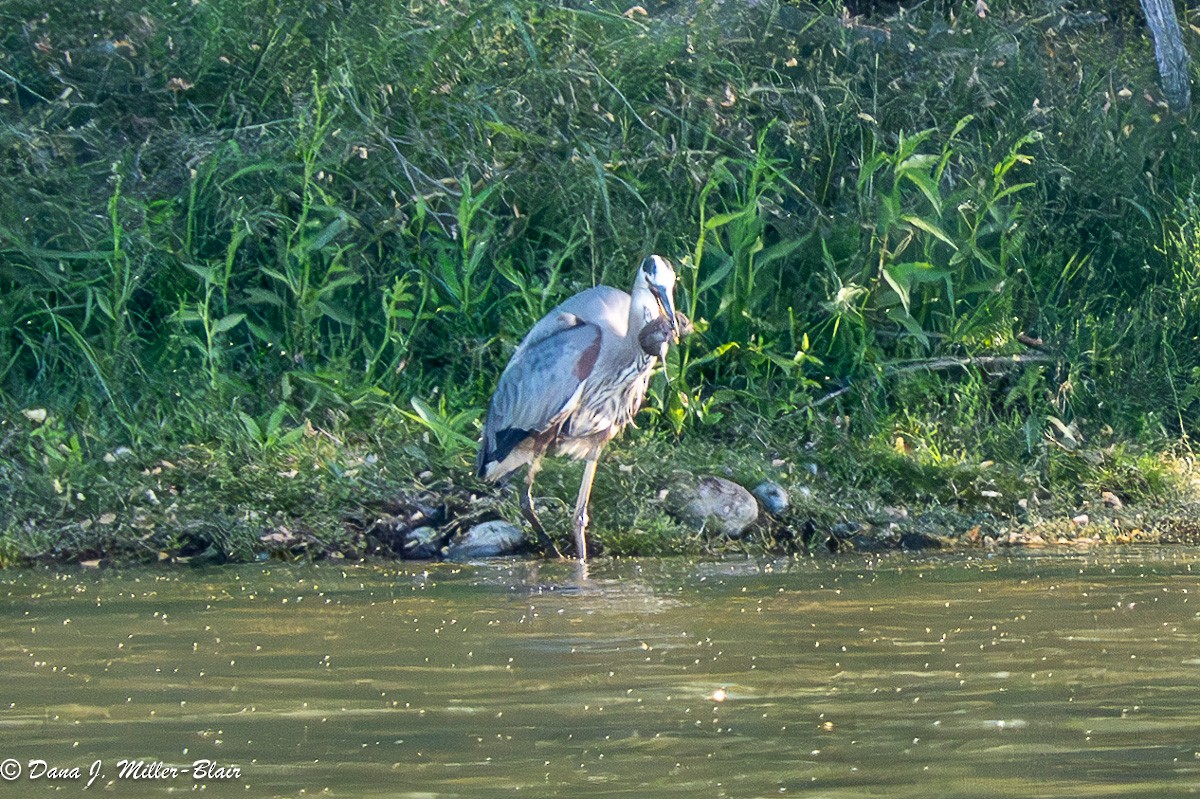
(487, 540)
(1111, 500)
(422, 543)
(1081, 519)
(774, 497)
(717, 505)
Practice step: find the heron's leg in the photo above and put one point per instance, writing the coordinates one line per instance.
(581, 505)
(531, 515)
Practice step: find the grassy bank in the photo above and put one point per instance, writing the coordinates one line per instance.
(257, 281)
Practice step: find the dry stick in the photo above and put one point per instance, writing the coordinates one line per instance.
(445, 220)
(983, 362)
(832, 395)
(945, 364)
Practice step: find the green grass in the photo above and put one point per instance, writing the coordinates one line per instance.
(291, 258)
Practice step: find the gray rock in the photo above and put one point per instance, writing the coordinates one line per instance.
(718, 505)
(423, 543)
(487, 540)
(773, 496)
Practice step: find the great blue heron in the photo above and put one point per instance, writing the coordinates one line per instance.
(576, 380)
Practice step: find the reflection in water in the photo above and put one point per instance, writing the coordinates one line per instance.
(1041, 675)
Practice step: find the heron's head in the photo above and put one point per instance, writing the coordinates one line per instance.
(656, 276)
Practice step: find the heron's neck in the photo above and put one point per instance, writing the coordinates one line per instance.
(642, 310)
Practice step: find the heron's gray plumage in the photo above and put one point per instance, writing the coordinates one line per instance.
(578, 377)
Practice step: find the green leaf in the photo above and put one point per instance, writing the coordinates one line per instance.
(291, 436)
(717, 276)
(925, 184)
(870, 168)
(516, 134)
(251, 427)
(327, 234)
(902, 277)
(906, 321)
(961, 125)
(206, 273)
(1000, 195)
(724, 219)
(930, 228)
(263, 297)
(275, 420)
(264, 333)
(449, 438)
(781, 249)
(228, 323)
(252, 169)
(337, 283)
(712, 356)
(336, 313)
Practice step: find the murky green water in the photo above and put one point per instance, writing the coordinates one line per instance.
(1038, 675)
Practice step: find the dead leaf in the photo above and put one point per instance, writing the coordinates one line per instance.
(35, 415)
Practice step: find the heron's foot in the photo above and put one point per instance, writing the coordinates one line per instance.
(549, 548)
(544, 541)
(581, 522)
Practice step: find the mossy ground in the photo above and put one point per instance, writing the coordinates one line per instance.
(344, 495)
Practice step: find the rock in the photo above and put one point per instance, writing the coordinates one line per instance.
(918, 541)
(1111, 500)
(774, 497)
(422, 543)
(717, 505)
(487, 540)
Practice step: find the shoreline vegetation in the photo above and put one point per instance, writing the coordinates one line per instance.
(258, 281)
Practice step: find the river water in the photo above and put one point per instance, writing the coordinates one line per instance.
(1023, 675)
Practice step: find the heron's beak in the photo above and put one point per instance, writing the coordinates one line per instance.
(667, 305)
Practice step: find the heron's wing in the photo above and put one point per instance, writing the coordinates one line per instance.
(540, 386)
